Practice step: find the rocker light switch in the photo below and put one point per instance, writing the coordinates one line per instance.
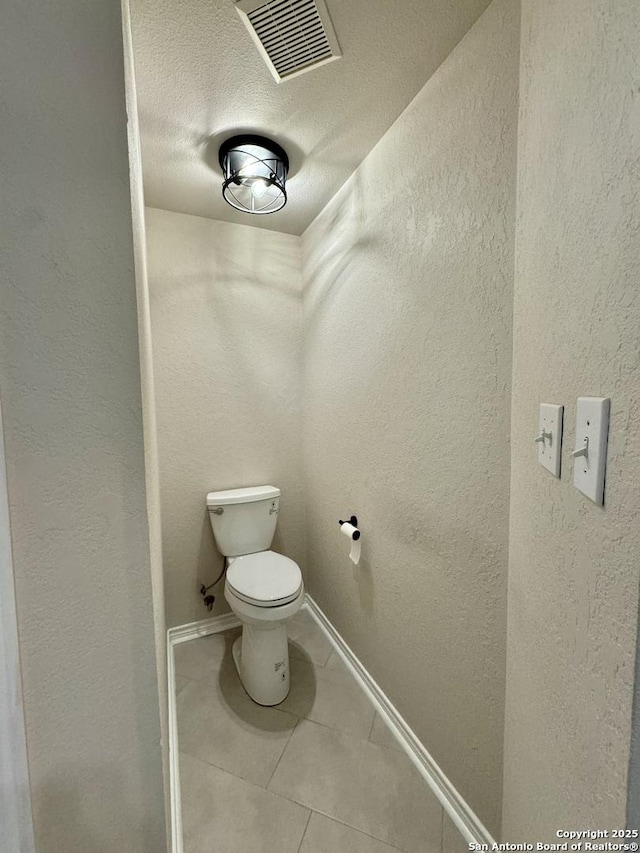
(590, 455)
(549, 439)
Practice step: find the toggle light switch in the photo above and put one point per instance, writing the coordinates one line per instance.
(590, 455)
(549, 438)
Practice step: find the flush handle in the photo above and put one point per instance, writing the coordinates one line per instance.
(218, 510)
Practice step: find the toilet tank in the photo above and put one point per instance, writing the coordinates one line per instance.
(243, 520)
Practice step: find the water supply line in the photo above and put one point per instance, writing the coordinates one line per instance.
(208, 600)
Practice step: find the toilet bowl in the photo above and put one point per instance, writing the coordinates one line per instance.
(264, 589)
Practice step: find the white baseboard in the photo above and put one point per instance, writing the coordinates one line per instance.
(193, 630)
(16, 817)
(181, 634)
(465, 819)
(461, 814)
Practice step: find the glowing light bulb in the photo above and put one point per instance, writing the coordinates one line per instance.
(259, 187)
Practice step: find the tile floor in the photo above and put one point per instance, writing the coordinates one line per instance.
(320, 773)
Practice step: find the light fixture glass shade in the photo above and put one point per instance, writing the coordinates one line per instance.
(255, 172)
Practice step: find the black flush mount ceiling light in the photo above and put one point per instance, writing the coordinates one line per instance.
(255, 172)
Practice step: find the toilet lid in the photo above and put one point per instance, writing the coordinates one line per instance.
(266, 579)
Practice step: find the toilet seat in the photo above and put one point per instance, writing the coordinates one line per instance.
(264, 579)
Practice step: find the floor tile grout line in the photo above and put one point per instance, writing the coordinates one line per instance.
(290, 799)
(329, 816)
(357, 829)
(311, 810)
(373, 722)
(306, 655)
(351, 735)
(235, 775)
(307, 659)
(244, 694)
(282, 753)
(305, 830)
(243, 779)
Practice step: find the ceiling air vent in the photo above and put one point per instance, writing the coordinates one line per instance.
(293, 36)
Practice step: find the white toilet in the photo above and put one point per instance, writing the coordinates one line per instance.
(263, 588)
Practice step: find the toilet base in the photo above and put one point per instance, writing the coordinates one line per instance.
(261, 656)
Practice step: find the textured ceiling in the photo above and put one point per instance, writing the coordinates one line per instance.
(200, 79)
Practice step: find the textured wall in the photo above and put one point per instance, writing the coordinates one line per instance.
(408, 298)
(150, 429)
(633, 784)
(70, 384)
(226, 326)
(573, 578)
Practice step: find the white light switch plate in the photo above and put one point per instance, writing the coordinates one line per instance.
(549, 449)
(592, 423)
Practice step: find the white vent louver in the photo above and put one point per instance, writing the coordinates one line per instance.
(293, 36)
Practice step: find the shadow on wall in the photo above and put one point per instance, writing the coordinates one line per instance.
(325, 271)
(249, 305)
(242, 262)
(279, 545)
(362, 578)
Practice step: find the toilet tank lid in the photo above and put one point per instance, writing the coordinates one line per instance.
(242, 496)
